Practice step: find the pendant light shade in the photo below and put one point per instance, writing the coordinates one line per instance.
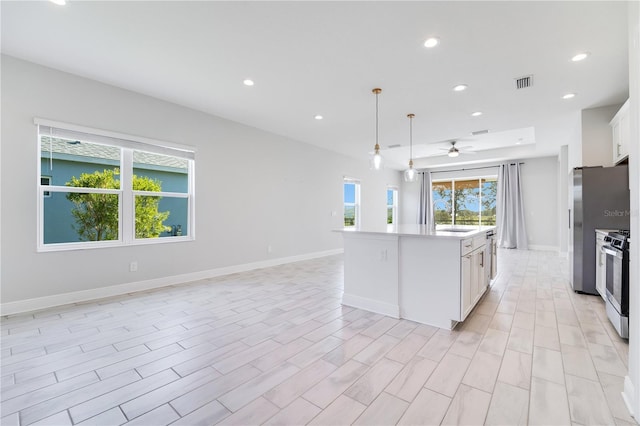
(376, 160)
(410, 174)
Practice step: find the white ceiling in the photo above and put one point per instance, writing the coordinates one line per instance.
(309, 58)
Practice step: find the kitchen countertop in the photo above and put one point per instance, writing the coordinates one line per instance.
(423, 231)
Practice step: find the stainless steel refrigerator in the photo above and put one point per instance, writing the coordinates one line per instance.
(600, 200)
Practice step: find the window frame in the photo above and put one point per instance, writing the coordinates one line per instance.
(452, 181)
(127, 144)
(394, 205)
(356, 203)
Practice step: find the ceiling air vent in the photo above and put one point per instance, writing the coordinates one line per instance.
(395, 146)
(479, 132)
(524, 82)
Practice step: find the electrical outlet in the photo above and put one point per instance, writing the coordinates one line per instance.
(133, 266)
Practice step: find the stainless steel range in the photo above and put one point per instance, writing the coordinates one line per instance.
(617, 269)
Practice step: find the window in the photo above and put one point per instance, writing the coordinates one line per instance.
(465, 201)
(100, 189)
(392, 206)
(351, 203)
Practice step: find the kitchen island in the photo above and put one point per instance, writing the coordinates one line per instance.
(429, 276)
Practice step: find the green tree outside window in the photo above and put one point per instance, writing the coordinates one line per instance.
(96, 215)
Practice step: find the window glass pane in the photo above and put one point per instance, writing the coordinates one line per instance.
(389, 215)
(350, 193)
(74, 217)
(389, 197)
(349, 215)
(350, 203)
(63, 160)
(467, 202)
(489, 191)
(160, 216)
(441, 192)
(170, 173)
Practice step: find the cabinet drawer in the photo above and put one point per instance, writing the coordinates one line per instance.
(470, 244)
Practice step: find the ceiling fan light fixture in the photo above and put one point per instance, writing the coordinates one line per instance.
(453, 152)
(376, 160)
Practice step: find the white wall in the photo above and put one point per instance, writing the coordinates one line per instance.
(632, 381)
(540, 197)
(253, 188)
(597, 137)
(563, 200)
(539, 188)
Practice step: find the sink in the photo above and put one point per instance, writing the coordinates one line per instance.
(454, 230)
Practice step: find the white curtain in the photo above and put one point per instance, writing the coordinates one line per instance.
(425, 213)
(509, 208)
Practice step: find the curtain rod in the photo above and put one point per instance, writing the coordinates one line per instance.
(472, 168)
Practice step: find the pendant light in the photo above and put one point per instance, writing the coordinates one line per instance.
(410, 174)
(376, 160)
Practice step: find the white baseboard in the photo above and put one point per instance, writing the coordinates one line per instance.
(628, 395)
(371, 305)
(38, 303)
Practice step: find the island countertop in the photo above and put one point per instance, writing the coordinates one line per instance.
(449, 232)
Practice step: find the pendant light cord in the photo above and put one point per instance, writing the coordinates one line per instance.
(377, 93)
(411, 137)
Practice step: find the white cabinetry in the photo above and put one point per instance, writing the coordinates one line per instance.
(473, 279)
(621, 129)
(601, 262)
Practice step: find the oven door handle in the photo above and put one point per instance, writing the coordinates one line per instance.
(608, 251)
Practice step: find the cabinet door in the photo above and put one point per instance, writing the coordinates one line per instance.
(617, 149)
(475, 279)
(466, 275)
(621, 133)
(625, 135)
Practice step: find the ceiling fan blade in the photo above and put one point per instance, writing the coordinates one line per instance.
(464, 147)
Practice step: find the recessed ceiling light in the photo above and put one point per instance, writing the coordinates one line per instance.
(248, 82)
(476, 114)
(318, 117)
(580, 56)
(460, 87)
(59, 2)
(569, 96)
(431, 42)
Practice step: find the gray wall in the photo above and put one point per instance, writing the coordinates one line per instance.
(253, 189)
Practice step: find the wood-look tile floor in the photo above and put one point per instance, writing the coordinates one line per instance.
(275, 346)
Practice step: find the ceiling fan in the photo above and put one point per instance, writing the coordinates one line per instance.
(454, 151)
